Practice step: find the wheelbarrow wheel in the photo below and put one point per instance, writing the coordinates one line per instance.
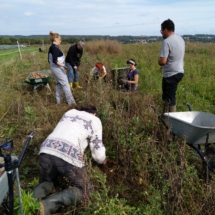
(209, 167)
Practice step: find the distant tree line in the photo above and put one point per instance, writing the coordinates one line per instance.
(70, 39)
(32, 40)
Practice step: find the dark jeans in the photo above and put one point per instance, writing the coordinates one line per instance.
(169, 88)
(51, 167)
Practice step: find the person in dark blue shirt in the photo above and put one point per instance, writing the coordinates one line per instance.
(131, 82)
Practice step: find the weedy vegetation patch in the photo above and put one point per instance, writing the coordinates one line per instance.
(147, 171)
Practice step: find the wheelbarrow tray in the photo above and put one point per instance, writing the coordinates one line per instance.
(193, 126)
(38, 81)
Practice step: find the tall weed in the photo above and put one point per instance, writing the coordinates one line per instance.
(147, 172)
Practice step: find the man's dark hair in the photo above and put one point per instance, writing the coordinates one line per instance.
(89, 109)
(168, 24)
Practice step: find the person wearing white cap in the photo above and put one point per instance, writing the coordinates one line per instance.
(73, 61)
(131, 83)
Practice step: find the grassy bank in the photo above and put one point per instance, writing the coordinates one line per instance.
(9, 55)
(147, 173)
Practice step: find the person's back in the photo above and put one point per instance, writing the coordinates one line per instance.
(70, 138)
(175, 62)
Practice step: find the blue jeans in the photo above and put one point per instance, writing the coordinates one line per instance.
(72, 73)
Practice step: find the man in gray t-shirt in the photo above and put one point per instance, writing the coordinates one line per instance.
(172, 61)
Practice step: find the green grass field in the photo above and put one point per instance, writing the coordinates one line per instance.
(12, 54)
(147, 172)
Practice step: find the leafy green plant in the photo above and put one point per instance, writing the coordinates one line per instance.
(101, 203)
(33, 183)
(155, 206)
(30, 205)
(30, 117)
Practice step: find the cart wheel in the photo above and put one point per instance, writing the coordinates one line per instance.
(210, 166)
(210, 155)
(210, 151)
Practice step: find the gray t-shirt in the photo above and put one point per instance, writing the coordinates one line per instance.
(173, 48)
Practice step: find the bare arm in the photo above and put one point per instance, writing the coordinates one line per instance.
(60, 64)
(136, 78)
(162, 61)
(103, 75)
(102, 72)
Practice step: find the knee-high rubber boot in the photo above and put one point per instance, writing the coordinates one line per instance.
(43, 189)
(70, 196)
(76, 85)
(172, 108)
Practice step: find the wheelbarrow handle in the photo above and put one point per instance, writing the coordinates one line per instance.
(28, 139)
(159, 115)
(188, 105)
(30, 136)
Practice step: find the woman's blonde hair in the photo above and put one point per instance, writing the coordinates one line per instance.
(53, 35)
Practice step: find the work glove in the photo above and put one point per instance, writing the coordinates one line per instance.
(124, 81)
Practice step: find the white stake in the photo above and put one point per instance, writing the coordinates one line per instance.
(19, 51)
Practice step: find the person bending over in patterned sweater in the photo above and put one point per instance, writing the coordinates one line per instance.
(62, 153)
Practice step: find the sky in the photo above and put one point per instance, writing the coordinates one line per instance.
(105, 17)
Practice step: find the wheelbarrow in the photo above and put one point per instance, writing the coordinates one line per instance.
(9, 172)
(196, 128)
(39, 78)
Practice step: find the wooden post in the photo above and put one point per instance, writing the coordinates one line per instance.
(19, 51)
